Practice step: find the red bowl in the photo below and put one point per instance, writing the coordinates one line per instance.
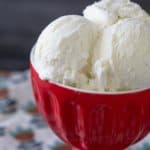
(93, 121)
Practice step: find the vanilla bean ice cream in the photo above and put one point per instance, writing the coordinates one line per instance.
(106, 49)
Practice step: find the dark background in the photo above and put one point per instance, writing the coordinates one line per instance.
(22, 21)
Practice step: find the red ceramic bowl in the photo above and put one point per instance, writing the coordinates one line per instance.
(93, 121)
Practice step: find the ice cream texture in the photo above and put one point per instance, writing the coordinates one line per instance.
(106, 49)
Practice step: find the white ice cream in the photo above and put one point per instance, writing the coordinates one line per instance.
(118, 61)
(108, 12)
(107, 49)
(63, 50)
(125, 48)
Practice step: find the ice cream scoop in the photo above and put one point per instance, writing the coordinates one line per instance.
(130, 53)
(108, 12)
(63, 49)
(121, 56)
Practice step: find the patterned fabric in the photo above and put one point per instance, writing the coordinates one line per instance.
(21, 126)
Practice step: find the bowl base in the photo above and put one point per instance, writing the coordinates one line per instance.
(73, 148)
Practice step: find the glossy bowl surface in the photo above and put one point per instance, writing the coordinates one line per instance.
(92, 121)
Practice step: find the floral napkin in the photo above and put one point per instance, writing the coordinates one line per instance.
(21, 126)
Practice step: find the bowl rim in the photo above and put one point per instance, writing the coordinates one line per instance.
(74, 89)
